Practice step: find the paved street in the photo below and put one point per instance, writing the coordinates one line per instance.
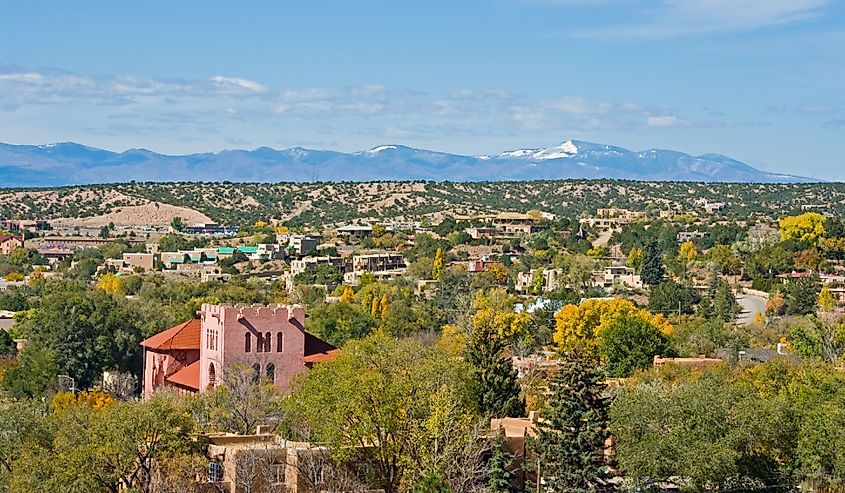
(751, 306)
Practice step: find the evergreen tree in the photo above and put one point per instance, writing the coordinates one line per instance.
(572, 431)
(724, 303)
(652, 272)
(803, 296)
(500, 478)
(431, 483)
(497, 386)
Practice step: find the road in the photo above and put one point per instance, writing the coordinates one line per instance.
(751, 305)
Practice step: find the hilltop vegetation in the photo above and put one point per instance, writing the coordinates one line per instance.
(325, 203)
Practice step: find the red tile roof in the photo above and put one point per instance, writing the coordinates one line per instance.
(183, 336)
(188, 377)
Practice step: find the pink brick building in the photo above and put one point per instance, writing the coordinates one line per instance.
(193, 355)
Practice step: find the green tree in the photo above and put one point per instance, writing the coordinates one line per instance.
(630, 343)
(177, 224)
(669, 296)
(35, 374)
(395, 395)
(652, 272)
(496, 385)
(572, 431)
(803, 296)
(500, 477)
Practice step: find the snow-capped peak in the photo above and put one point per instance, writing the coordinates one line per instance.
(376, 150)
(567, 149)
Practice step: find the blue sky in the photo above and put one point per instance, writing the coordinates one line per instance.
(759, 80)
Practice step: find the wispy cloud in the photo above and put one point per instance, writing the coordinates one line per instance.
(678, 18)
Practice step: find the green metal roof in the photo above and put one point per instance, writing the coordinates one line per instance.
(248, 249)
(177, 260)
(226, 250)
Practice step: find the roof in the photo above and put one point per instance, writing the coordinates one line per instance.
(248, 249)
(183, 336)
(5, 238)
(318, 350)
(225, 250)
(188, 376)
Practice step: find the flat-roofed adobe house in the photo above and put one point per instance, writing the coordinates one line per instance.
(193, 355)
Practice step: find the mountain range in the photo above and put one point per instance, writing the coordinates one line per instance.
(69, 163)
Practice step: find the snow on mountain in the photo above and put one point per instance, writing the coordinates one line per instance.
(69, 163)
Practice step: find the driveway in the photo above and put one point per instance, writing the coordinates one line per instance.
(750, 305)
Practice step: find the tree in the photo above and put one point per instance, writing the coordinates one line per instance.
(111, 284)
(177, 224)
(499, 473)
(242, 401)
(823, 338)
(705, 433)
(439, 264)
(725, 306)
(388, 403)
(571, 433)
(807, 228)
(496, 385)
(652, 272)
(803, 296)
(581, 327)
(35, 374)
(348, 295)
(827, 300)
(686, 254)
(630, 343)
(669, 296)
(635, 259)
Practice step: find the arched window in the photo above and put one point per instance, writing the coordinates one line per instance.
(280, 342)
(212, 375)
(259, 343)
(271, 372)
(256, 372)
(247, 342)
(267, 342)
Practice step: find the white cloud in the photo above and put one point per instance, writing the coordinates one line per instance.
(678, 18)
(664, 121)
(226, 83)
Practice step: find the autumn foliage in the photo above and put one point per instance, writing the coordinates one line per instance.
(580, 327)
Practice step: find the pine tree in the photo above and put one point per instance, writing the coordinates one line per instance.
(652, 272)
(571, 434)
(497, 384)
(431, 483)
(500, 478)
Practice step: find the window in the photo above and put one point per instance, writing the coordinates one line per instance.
(259, 343)
(212, 375)
(278, 473)
(280, 342)
(267, 341)
(215, 472)
(247, 342)
(271, 372)
(256, 372)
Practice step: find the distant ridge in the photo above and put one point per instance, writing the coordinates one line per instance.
(69, 163)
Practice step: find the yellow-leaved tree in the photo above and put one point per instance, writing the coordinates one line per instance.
(494, 315)
(348, 295)
(111, 284)
(635, 259)
(580, 327)
(805, 228)
(687, 252)
(827, 300)
(439, 264)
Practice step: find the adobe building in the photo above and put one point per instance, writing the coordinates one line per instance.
(193, 355)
